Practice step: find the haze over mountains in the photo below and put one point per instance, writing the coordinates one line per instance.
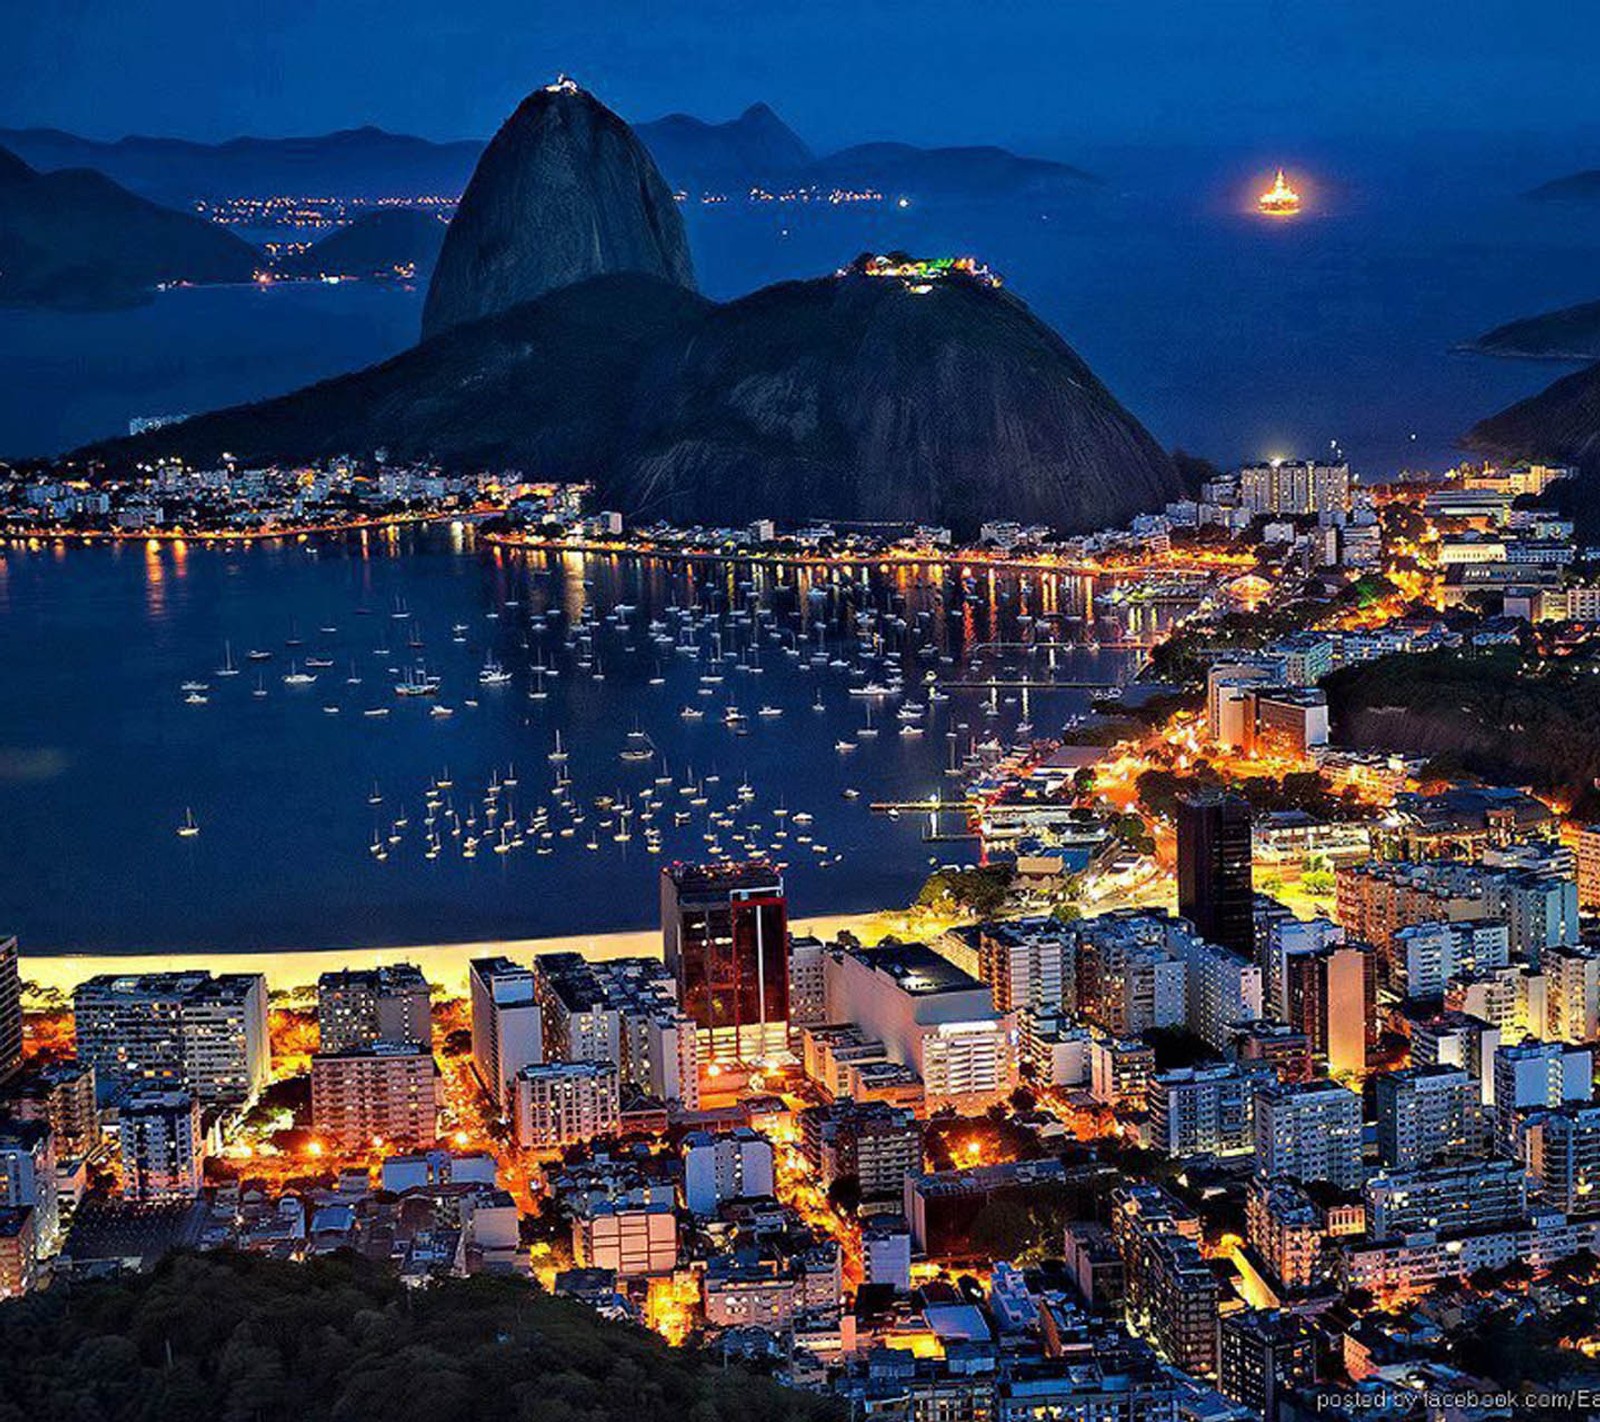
(882, 394)
(693, 155)
(76, 240)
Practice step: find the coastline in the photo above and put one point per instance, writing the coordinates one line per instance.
(443, 964)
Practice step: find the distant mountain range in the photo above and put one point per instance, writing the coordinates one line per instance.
(357, 162)
(76, 240)
(563, 336)
(755, 149)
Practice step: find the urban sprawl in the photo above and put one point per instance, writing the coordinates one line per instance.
(1244, 1073)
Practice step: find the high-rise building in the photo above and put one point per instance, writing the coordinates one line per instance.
(1455, 1198)
(160, 1145)
(1330, 995)
(1205, 1110)
(1562, 1149)
(566, 1103)
(359, 1006)
(1533, 1076)
(28, 1178)
(1214, 869)
(385, 1091)
(188, 1030)
(1262, 1356)
(929, 1016)
(1297, 488)
(10, 1010)
(19, 1252)
(1425, 956)
(506, 1025)
(1428, 1113)
(1310, 1131)
(1028, 964)
(808, 994)
(1589, 866)
(725, 935)
(877, 1144)
(734, 1165)
(623, 1011)
(1572, 1004)
(886, 1251)
(61, 1095)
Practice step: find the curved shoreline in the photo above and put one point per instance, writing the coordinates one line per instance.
(443, 964)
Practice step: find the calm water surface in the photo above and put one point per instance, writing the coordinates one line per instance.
(101, 755)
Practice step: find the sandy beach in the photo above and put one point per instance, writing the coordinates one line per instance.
(444, 964)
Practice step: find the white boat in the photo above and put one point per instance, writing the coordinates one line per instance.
(295, 677)
(559, 754)
(440, 711)
(227, 668)
(417, 682)
(188, 829)
(493, 674)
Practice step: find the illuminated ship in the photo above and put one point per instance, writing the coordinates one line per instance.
(1280, 200)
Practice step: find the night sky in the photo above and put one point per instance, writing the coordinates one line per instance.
(1048, 73)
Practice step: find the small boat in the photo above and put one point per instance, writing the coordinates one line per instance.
(227, 668)
(188, 829)
(440, 711)
(559, 754)
(195, 698)
(493, 674)
(295, 677)
(258, 654)
(376, 711)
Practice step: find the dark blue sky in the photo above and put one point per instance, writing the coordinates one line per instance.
(1049, 73)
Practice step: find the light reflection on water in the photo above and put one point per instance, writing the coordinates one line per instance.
(98, 642)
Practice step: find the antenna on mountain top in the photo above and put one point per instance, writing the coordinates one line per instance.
(565, 84)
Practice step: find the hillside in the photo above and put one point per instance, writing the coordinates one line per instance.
(388, 243)
(854, 397)
(870, 398)
(543, 387)
(1571, 333)
(1482, 710)
(237, 1337)
(1561, 424)
(77, 241)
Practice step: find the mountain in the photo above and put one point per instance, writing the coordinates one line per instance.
(357, 162)
(76, 240)
(873, 398)
(387, 242)
(563, 192)
(1575, 187)
(756, 148)
(544, 387)
(901, 169)
(1560, 424)
(696, 156)
(848, 397)
(1572, 333)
